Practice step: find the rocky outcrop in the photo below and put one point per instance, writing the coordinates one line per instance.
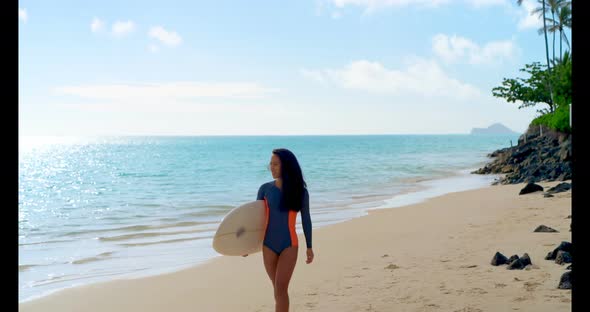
(540, 155)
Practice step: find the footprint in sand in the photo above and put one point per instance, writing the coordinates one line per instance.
(478, 291)
(468, 266)
(469, 309)
(522, 298)
(354, 276)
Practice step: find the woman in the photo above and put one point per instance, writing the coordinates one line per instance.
(284, 198)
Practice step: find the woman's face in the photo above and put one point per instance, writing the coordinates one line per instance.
(275, 166)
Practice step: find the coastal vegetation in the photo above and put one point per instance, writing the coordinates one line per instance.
(544, 151)
(547, 85)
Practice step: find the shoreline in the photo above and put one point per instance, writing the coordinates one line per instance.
(404, 264)
(421, 190)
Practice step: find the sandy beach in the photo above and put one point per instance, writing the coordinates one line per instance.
(431, 256)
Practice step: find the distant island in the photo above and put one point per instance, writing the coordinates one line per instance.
(496, 128)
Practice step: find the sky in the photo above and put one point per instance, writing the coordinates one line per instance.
(307, 67)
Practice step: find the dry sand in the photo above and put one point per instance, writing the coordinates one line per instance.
(431, 256)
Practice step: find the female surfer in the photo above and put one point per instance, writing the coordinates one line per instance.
(284, 197)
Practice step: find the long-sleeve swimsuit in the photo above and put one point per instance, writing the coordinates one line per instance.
(280, 222)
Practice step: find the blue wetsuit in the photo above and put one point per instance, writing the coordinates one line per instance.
(280, 223)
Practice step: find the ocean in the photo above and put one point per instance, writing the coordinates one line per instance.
(97, 208)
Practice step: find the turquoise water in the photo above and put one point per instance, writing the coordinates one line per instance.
(91, 209)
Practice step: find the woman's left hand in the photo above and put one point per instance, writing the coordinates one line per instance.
(309, 256)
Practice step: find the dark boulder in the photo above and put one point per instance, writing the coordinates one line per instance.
(563, 257)
(565, 246)
(499, 259)
(561, 187)
(544, 228)
(565, 282)
(530, 188)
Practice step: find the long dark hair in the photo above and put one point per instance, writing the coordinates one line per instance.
(293, 183)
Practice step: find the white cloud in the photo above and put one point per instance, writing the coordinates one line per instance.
(96, 25)
(527, 20)
(123, 28)
(170, 38)
(421, 77)
(22, 14)
(167, 91)
(459, 49)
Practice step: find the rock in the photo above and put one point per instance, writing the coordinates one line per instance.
(499, 259)
(519, 263)
(561, 187)
(563, 257)
(569, 267)
(512, 258)
(515, 265)
(547, 195)
(565, 282)
(544, 228)
(535, 158)
(530, 188)
(565, 246)
(525, 259)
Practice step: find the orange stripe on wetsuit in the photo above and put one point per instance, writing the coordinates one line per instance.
(292, 221)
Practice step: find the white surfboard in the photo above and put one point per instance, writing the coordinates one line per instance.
(241, 231)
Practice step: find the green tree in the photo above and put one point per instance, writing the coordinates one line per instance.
(535, 90)
(561, 80)
(529, 91)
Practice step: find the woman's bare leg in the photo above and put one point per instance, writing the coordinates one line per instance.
(270, 263)
(284, 271)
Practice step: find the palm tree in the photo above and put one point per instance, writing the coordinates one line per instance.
(555, 7)
(541, 11)
(564, 19)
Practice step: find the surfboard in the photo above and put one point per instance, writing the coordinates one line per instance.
(241, 231)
